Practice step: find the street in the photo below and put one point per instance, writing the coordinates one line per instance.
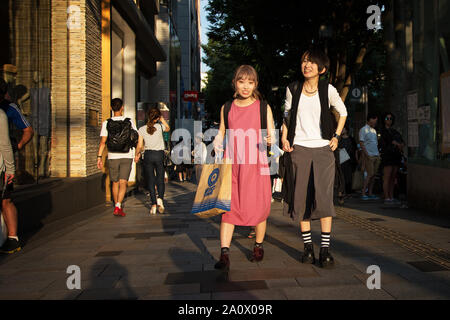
(172, 256)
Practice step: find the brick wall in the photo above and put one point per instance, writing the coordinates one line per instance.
(159, 84)
(93, 80)
(75, 88)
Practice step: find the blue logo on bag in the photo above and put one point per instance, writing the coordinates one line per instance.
(213, 177)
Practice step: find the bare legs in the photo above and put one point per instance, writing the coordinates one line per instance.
(389, 175)
(325, 223)
(226, 233)
(9, 212)
(119, 189)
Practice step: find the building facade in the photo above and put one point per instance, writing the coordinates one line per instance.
(65, 61)
(418, 37)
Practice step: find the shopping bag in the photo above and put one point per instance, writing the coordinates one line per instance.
(357, 180)
(3, 231)
(277, 184)
(343, 155)
(213, 194)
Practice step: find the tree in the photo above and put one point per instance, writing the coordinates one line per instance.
(271, 37)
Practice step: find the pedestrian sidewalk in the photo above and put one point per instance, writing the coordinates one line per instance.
(172, 256)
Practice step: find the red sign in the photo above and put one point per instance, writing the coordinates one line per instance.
(190, 96)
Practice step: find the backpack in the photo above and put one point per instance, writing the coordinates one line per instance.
(121, 136)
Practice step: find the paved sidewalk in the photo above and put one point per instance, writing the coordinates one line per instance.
(172, 256)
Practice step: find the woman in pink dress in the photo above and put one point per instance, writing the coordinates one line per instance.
(251, 190)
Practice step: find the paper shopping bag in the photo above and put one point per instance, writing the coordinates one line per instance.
(213, 195)
(357, 180)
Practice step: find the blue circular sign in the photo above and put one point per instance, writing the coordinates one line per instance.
(213, 177)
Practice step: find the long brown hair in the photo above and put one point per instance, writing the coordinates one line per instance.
(153, 115)
(246, 72)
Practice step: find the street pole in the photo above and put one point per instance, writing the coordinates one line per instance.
(178, 94)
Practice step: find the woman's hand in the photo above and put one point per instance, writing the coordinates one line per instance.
(218, 146)
(268, 140)
(334, 142)
(287, 146)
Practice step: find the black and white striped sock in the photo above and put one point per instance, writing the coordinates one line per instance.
(307, 237)
(326, 236)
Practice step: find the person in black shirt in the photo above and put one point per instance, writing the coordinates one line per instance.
(391, 150)
(348, 167)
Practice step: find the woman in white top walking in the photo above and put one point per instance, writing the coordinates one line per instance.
(152, 141)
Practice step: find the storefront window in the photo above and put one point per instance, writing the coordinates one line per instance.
(25, 66)
(431, 28)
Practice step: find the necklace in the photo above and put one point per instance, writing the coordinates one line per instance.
(308, 92)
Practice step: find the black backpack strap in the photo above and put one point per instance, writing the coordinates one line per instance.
(226, 111)
(296, 91)
(263, 114)
(293, 87)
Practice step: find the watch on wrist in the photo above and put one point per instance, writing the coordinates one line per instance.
(336, 136)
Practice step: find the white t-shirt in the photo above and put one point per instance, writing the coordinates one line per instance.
(368, 136)
(153, 141)
(307, 132)
(115, 155)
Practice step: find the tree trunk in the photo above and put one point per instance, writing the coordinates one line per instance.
(358, 64)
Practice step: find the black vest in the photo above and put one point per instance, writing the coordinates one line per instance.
(327, 125)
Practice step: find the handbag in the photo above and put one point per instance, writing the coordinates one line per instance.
(343, 155)
(277, 185)
(213, 194)
(357, 180)
(4, 229)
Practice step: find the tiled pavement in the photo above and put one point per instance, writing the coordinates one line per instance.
(172, 256)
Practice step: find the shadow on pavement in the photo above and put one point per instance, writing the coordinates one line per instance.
(114, 285)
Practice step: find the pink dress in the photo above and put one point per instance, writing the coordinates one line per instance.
(251, 192)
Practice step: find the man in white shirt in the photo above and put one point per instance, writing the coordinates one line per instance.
(369, 144)
(119, 163)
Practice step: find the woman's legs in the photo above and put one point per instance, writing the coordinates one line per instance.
(150, 174)
(226, 234)
(392, 181)
(325, 223)
(387, 171)
(261, 231)
(160, 177)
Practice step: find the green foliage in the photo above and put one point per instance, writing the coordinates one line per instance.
(271, 36)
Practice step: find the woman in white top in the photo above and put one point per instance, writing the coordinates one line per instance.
(310, 139)
(151, 141)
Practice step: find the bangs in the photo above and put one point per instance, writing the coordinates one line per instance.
(310, 57)
(318, 57)
(246, 72)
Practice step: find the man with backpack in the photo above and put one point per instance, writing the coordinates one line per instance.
(120, 136)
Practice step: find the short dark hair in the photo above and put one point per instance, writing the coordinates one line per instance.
(3, 88)
(371, 116)
(389, 114)
(116, 104)
(319, 57)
